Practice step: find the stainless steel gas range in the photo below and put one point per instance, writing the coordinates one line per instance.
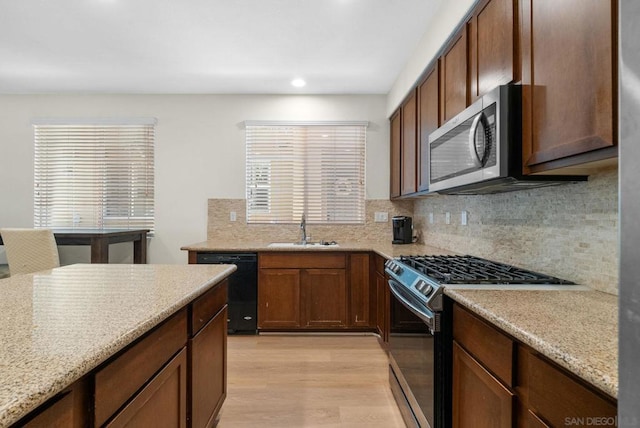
(421, 325)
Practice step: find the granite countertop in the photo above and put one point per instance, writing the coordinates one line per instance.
(59, 325)
(576, 329)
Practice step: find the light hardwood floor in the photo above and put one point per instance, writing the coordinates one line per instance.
(308, 381)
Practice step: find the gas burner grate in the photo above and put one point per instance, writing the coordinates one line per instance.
(475, 270)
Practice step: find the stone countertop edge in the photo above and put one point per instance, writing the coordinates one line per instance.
(600, 372)
(32, 396)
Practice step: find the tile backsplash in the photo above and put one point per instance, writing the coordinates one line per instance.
(569, 231)
(219, 226)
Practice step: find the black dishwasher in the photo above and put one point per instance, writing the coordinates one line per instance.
(243, 289)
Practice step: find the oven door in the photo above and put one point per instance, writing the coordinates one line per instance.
(412, 360)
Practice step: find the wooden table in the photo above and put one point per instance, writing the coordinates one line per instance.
(100, 239)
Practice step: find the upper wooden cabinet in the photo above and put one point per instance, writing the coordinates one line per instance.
(454, 88)
(428, 121)
(395, 155)
(492, 41)
(408, 144)
(568, 75)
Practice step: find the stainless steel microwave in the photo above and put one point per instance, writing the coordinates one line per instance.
(479, 151)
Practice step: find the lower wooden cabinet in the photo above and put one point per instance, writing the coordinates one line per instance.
(279, 298)
(323, 297)
(479, 399)
(208, 371)
(315, 291)
(67, 409)
(499, 382)
(162, 402)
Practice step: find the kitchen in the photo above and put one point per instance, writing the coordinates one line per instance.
(513, 228)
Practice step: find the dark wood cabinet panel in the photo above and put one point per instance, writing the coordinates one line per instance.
(395, 155)
(428, 121)
(324, 297)
(479, 399)
(361, 298)
(557, 398)
(67, 410)
(492, 41)
(409, 144)
(206, 306)
(162, 402)
(568, 76)
(485, 343)
(279, 298)
(303, 260)
(209, 371)
(121, 378)
(454, 88)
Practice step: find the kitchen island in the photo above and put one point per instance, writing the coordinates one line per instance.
(74, 324)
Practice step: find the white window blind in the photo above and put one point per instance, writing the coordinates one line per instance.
(91, 175)
(318, 170)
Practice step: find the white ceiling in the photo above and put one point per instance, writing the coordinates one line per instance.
(207, 46)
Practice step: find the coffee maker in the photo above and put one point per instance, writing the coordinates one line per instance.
(402, 230)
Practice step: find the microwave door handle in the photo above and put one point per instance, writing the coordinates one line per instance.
(472, 140)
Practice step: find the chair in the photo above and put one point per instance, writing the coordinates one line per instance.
(30, 250)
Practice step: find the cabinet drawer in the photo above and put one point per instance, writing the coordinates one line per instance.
(302, 260)
(206, 306)
(485, 343)
(122, 377)
(557, 398)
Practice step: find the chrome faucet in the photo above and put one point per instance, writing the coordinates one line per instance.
(303, 228)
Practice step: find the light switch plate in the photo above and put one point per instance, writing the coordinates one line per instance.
(381, 217)
(447, 217)
(430, 218)
(233, 216)
(463, 218)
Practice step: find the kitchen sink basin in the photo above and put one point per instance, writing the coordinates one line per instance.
(308, 245)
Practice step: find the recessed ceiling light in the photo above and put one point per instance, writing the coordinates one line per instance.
(298, 83)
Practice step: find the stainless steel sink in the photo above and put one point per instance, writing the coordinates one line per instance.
(321, 244)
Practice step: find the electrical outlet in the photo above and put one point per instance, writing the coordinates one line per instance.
(430, 218)
(463, 218)
(447, 217)
(381, 217)
(233, 216)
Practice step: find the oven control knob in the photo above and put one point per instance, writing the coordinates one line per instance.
(396, 269)
(424, 288)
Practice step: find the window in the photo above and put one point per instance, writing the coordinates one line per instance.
(94, 175)
(315, 169)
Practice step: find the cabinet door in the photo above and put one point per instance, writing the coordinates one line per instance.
(324, 298)
(408, 144)
(162, 402)
(278, 298)
(395, 155)
(359, 291)
(568, 77)
(68, 409)
(454, 88)
(491, 52)
(208, 371)
(428, 121)
(479, 399)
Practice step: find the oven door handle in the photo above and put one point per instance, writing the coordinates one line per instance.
(428, 319)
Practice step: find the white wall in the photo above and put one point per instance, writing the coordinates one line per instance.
(199, 152)
(446, 19)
